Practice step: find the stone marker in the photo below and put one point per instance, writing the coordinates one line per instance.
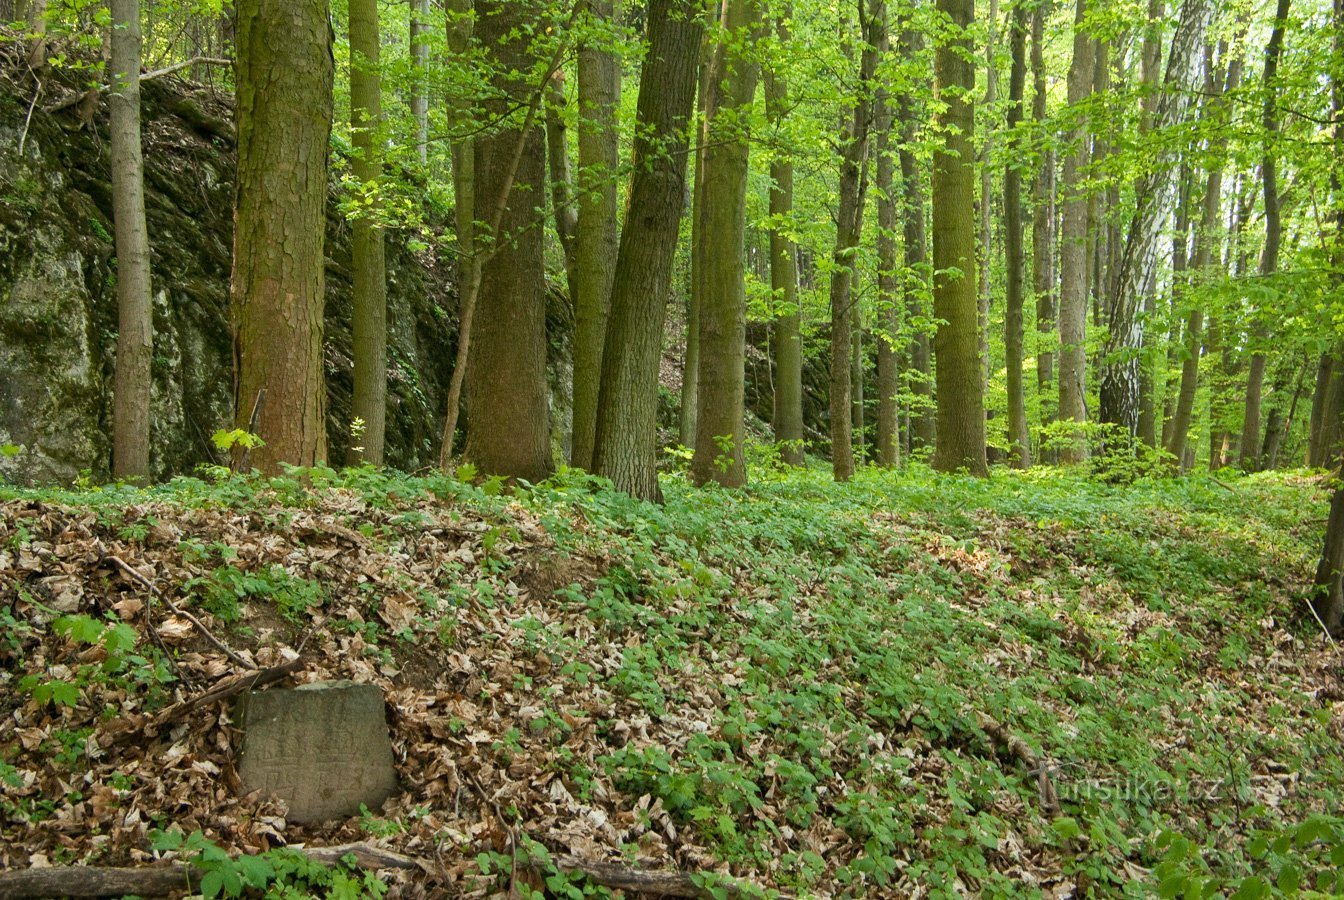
(321, 747)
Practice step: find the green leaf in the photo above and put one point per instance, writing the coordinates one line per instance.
(1066, 828)
(212, 883)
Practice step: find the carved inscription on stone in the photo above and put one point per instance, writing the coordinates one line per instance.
(322, 747)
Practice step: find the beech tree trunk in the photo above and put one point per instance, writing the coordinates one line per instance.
(849, 221)
(1043, 227)
(598, 238)
(420, 84)
(720, 430)
(626, 448)
(1019, 438)
(956, 345)
(131, 427)
(1073, 251)
(690, 371)
(283, 76)
(787, 337)
(923, 425)
(507, 396)
(1269, 257)
(888, 295)
(562, 181)
(368, 260)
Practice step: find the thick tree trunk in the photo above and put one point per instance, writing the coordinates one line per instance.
(1019, 438)
(507, 395)
(1043, 227)
(1319, 398)
(849, 221)
(1269, 257)
(1120, 394)
(420, 83)
(1073, 252)
(956, 346)
(368, 260)
(598, 236)
(626, 448)
(923, 425)
(787, 337)
(135, 321)
(283, 74)
(720, 430)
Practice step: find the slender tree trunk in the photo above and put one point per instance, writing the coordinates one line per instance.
(598, 237)
(562, 182)
(1120, 370)
(1269, 257)
(135, 320)
(986, 207)
(888, 300)
(854, 149)
(506, 388)
(1321, 429)
(956, 346)
(1043, 226)
(1019, 437)
(720, 429)
(458, 20)
(916, 281)
(690, 377)
(368, 261)
(420, 82)
(283, 74)
(787, 337)
(626, 449)
(1073, 251)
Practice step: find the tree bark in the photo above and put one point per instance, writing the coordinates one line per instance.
(1120, 394)
(507, 394)
(720, 429)
(923, 425)
(1019, 437)
(420, 82)
(135, 320)
(690, 372)
(626, 449)
(1073, 252)
(1269, 257)
(849, 222)
(787, 337)
(597, 239)
(368, 259)
(1043, 226)
(956, 345)
(284, 74)
(562, 181)
(888, 294)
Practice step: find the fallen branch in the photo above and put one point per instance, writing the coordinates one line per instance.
(118, 731)
(660, 883)
(146, 76)
(178, 611)
(168, 878)
(1014, 746)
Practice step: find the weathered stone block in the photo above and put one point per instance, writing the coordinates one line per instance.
(322, 747)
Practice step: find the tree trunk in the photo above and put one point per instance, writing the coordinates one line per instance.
(986, 208)
(284, 74)
(598, 237)
(923, 421)
(1043, 226)
(1269, 257)
(1073, 252)
(787, 337)
(506, 389)
(1120, 394)
(719, 429)
(420, 82)
(368, 261)
(626, 448)
(1319, 400)
(690, 371)
(135, 319)
(888, 300)
(956, 346)
(1019, 437)
(849, 221)
(562, 182)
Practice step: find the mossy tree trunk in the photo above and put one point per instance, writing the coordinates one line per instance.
(283, 76)
(720, 429)
(626, 447)
(956, 345)
(367, 249)
(131, 426)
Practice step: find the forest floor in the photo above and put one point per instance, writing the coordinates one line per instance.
(910, 685)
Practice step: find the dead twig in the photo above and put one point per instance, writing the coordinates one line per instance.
(135, 575)
(1017, 748)
(23, 138)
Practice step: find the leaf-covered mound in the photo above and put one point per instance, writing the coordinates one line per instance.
(907, 684)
